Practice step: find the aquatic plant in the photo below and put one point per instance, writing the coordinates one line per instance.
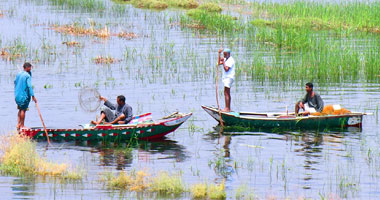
(152, 4)
(162, 4)
(105, 60)
(208, 191)
(127, 35)
(79, 30)
(18, 157)
(202, 19)
(349, 15)
(132, 181)
(71, 43)
(88, 5)
(210, 7)
(164, 183)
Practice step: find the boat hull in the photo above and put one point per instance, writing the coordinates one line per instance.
(149, 131)
(266, 120)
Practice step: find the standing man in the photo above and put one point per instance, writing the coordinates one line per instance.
(228, 75)
(115, 114)
(312, 102)
(23, 93)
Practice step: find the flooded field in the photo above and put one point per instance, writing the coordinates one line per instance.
(164, 60)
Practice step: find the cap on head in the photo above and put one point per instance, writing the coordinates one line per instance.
(227, 50)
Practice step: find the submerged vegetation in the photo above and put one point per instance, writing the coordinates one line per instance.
(18, 157)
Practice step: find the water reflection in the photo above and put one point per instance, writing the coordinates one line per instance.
(121, 154)
(23, 187)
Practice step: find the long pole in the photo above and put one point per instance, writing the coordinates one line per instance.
(43, 124)
(217, 95)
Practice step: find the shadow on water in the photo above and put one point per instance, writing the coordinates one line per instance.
(121, 154)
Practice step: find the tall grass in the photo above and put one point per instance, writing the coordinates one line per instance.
(18, 157)
(89, 5)
(213, 21)
(353, 15)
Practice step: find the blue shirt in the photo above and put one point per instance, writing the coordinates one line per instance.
(23, 87)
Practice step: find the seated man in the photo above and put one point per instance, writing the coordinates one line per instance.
(313, 100)
(115, 114)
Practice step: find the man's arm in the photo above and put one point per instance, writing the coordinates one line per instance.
(319, 103)
(30, 89)
(129, 114)
(108, 103)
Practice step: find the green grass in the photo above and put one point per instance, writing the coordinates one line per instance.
(350, 15)
(89, 5)
(161, 4)
(216, 22)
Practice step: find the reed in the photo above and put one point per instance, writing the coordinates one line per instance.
(349, 15)
(208, 191)
(213, 21)
(167, 184)
(19, 157)
(88, 5)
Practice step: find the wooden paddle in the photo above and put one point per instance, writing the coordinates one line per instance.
(217, 96)
(43, 124)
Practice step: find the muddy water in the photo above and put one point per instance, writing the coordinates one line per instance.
(172, 69)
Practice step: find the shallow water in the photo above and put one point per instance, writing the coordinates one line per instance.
(172, 69)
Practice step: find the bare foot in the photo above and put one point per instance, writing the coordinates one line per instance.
(95, 123)
(226, 110)
(24, 128)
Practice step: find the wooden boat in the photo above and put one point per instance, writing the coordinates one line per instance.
(141, 127)
(285, 121)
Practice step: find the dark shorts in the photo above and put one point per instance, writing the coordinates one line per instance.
(23, 105)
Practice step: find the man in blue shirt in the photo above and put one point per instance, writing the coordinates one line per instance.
(115, 114)
(23, 93)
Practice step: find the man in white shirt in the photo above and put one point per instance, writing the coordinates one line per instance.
(228, 75)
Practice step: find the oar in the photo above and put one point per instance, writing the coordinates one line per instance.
(216, 91)
(43, 124)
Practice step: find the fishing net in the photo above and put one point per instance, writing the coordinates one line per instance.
(89, 99)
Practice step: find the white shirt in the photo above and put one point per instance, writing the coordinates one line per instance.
(230, 62)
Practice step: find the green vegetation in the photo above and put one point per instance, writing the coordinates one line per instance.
(208, 191)
(167, 184)
(350, 15)
(210, 7)
(89, 5)
(216, 22)
(20, 158)
(162, 4)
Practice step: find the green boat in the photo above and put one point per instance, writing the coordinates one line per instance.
(141, 127)
(285, 121)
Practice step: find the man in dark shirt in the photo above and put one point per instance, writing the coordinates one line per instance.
(115, 114)
(313, 100)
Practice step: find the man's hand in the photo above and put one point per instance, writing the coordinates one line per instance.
(220, 50)
(34, 99)
(102, 98)
(302, 106)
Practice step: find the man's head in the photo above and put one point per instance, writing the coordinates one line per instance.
(27, 67)
(226, 53)
(120, 100)
(309, 87)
